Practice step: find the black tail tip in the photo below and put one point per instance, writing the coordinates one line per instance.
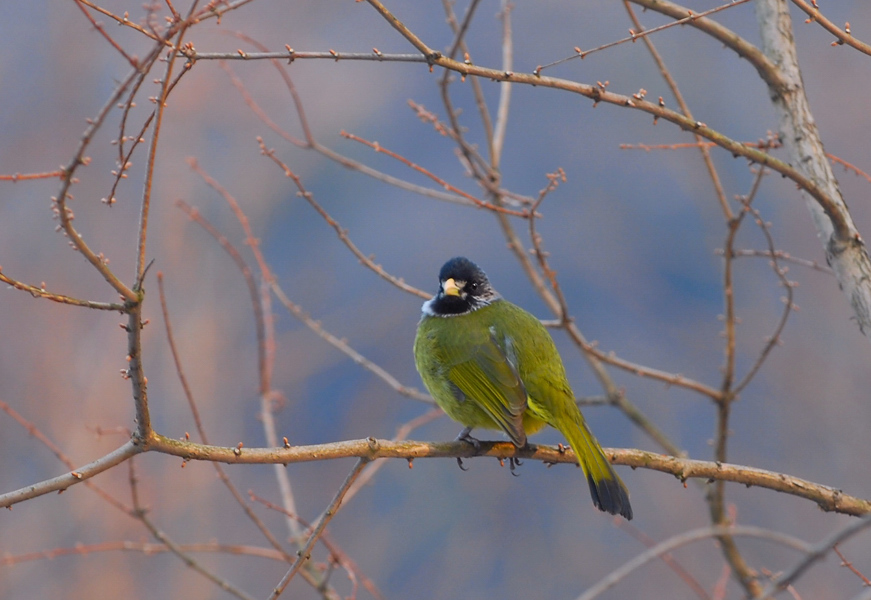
(610, 496)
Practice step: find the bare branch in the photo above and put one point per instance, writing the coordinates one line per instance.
(342, 233)
(62, 482)
(34, 431)
(816, 553)
(682, 539)
(844, 36)
(185, 557)
(41, 292)
(476, 201)
(844, 246)
(16, 177)
(195, 412)
(326, 517)
(829, 499)
(691, 17)
(685, 109)
(832, 208)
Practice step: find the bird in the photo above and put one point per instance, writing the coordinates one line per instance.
(490, 364)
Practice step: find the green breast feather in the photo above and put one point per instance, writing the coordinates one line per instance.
(479, 375)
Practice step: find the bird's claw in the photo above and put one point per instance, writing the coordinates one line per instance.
(513, 463)
(475, 443)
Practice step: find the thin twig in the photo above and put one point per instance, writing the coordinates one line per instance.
(683, 539)
(507, 196)
(123, 20)
(63, 212)
(817, 552)
(476, 201)
(41, 292)
(132, 61)
(554, 179)
(145, 548)
(346, 349)
(765, 144)
(329, 513)
(716, 493)
(402, 433)
(789, 307)
(685, 109)
(291, 55)
(262, 304)
(311, 143)
(462, 28)
(843, 230)
(340, 232)
(846, 563)
(299, 313)
(470, 157)
(666, 557)
(217, 9)
(594, 357)
(849, 167)
(34, 431)
(167, 85)
(636, 35)
(16, 177)
(611, 358)
(336, 553)
(80, 474)
(784, 257)
(195, 412)
(844, 36)
(185, 557)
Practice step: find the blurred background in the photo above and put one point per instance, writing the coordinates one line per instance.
(633, 236)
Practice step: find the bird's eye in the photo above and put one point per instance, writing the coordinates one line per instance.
(474, 286)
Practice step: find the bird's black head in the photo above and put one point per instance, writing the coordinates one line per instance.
(463, 287)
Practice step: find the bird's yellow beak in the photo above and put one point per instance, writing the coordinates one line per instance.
(451, 288)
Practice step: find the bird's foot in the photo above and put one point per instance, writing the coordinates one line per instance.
(513, 463)
(561, 448)
(466, 437)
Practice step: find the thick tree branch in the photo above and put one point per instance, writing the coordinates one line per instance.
(829, 499)
(845, 249)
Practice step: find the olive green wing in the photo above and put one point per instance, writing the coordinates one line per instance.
(485, 371)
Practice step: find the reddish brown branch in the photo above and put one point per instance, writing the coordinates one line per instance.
(844, 36)
(132, 61)
(195, 412)
(637, 35)
(145, 548)
(477, 202)
(36, 433)
(842, 229)
(318, 529)
(336, 553)
(41, 292)
(342, 233)
(846, 563)
(16, 177)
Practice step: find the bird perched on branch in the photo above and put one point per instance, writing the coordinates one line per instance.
(489, 363)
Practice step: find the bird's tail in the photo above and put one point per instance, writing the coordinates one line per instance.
(607, 489)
